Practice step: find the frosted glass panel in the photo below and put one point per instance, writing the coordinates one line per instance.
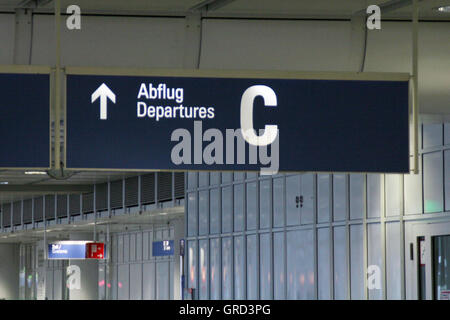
(57, 284)
(432, 182)
(126, 247)
(300, 275)
(214, 211)
(252, 175)
(252, 207)
(374, 259)
(252, 268)
(136, 281)
(307, 192)
(192, 180)
(413, 192)
(192, 264)
(149, 281)
(278, 202)
(203, 268)
(432, 135)
(339, 197)
(265, 280)
(139, 246)
(120, 248)
(227, 177)
(123, 283)
(393, 263)
(227, 269)
(324, 263)
(239, 207)
(162, 281)
(264, 204)
(239, 268)
(215, 269)
(132, 247)
(214, 178)
(203, 212)
(357, 262)
(227, 205)
(192, 214)
(279, 264)
(447, 178)
(394, 197)
(292, 207)
(447, 133)
(239, 176)
(373, 195)
(340, 264)
(356, 196)
(323, 205)
(203, 179)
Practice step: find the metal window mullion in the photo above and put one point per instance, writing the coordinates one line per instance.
(1, 217)
(402, 243)
(383, 235)
(285, 238)
(124, 205)
(173, 194)
(21, 212)
(271, 256)
(156, 177)
(108, 198)
(11, 215)
(81, 207)
(365, 237)
(68, 207)
(331, 235)
(315, 238)
(258, 239)
(32, 211)
(347, 236)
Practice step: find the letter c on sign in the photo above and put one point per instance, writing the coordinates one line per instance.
(247, 130)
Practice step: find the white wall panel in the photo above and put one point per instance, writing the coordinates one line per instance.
(393, 261)
(250, 44)
(7, 23)
(149, 285)
(357, 262)
(375, 257)
(136, 281)
(112, 42)
(323, 264)
(340, 264)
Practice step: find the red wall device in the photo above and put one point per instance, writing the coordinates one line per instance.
(95, 250)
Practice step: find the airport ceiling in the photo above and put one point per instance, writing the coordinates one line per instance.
(326, 9)
(308, 9)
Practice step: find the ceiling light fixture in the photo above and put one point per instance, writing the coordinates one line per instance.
(4, 182)
(35, 172)
(444, 9)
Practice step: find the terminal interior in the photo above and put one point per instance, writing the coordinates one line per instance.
(235, 235)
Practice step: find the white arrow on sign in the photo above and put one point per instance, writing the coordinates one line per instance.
(104, 93)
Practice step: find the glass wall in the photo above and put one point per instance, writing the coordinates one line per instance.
(344, 240)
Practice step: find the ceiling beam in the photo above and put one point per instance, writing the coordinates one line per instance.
(210, 5)
(51, 188)
(32, 3)
(389, 6)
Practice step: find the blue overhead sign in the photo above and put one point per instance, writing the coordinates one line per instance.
(67, 250)
(162, 248)
(215, 123)
(24, 120)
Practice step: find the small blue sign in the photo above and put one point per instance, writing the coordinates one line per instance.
(25, 120)
(163, 248)
(70, 250)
